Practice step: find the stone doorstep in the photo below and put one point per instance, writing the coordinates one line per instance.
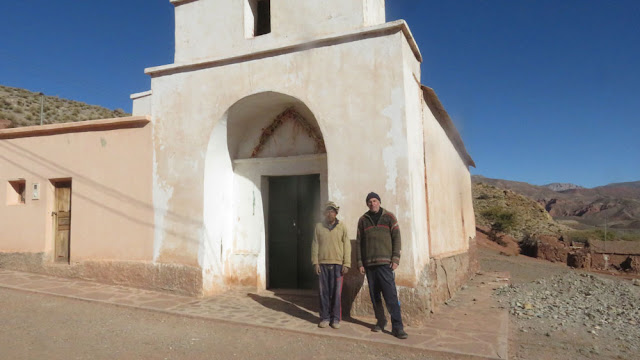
(452, 331)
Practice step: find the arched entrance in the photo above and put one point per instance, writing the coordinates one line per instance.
(265, 180)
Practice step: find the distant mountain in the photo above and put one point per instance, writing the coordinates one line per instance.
(633, 184)
(562, 186)
(616, 204)
(20, 107)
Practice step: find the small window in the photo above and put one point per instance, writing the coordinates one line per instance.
(258, 17)
(16, 192)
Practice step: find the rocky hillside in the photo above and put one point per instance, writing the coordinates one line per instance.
(617, 204)
(562, 186)
(530, 217)
(19, 107)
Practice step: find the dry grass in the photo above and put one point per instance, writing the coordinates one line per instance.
(529, 217)
(22, 108)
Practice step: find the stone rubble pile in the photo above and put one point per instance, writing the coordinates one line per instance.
(596, 304)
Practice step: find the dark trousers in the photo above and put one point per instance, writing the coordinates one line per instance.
(382, 280)
(330, 292)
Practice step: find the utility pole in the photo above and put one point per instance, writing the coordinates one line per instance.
(605, 235)
(41, 107)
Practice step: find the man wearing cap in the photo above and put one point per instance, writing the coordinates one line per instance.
(378, 253)
(331, 257)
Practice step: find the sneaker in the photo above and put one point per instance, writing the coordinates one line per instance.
(323, 324)
(379, 326)
(400, 334)
(335, 325)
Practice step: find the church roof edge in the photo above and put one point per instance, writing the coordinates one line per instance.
(436, 107)
(398, 25)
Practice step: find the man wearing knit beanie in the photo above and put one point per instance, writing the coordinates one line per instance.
(378, 251)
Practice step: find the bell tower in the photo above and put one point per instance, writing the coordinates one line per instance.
(222, 28)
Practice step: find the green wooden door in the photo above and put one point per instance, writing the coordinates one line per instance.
(294, 203)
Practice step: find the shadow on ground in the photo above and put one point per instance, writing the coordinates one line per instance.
(288, 307)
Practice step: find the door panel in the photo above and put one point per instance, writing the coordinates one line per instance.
(293, 212)
(62, 221)
(308, 205)
(282, 233)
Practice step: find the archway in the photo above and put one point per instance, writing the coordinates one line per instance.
(265, 178)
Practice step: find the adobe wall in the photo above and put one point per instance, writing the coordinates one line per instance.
(615, 261)
(111, 240)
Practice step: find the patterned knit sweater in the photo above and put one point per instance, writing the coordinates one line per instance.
(378, 244)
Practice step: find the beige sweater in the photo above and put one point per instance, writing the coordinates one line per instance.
(331, 246)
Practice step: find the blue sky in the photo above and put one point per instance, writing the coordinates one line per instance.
(541, 91)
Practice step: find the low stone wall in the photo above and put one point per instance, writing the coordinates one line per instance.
(579, 260)
(628, 263)
(415, 302)
(448, 274)
(176, 279)
(438, 282)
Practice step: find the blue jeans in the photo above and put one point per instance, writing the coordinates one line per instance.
(382, 282)
(330, 292)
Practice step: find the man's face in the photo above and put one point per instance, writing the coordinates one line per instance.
(330, 215)
(374, 205)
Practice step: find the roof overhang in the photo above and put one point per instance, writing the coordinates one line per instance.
(344, 37)
(445, 121)
(74, 127)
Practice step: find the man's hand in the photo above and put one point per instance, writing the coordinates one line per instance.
(361, 270)
(393, 266)
(316, 268)
(344, 270)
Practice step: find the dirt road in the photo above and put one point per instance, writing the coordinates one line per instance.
(35, 326)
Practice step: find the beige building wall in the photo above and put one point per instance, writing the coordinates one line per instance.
(450, 203)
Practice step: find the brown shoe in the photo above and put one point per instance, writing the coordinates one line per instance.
(323, 324)
(379, 327)
(400, 334)
(335, 325)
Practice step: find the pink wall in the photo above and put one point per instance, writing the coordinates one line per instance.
(110, 165)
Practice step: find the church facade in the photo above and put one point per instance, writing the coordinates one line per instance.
(269, 110)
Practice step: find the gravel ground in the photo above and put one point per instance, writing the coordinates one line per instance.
(561, 313)
(35, 326)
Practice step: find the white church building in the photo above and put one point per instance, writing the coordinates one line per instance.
(270, 109)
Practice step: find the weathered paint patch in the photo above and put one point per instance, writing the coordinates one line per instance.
(241, 269)
(217, 219)
(335, 194)
(398, 143)
(162, 193)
